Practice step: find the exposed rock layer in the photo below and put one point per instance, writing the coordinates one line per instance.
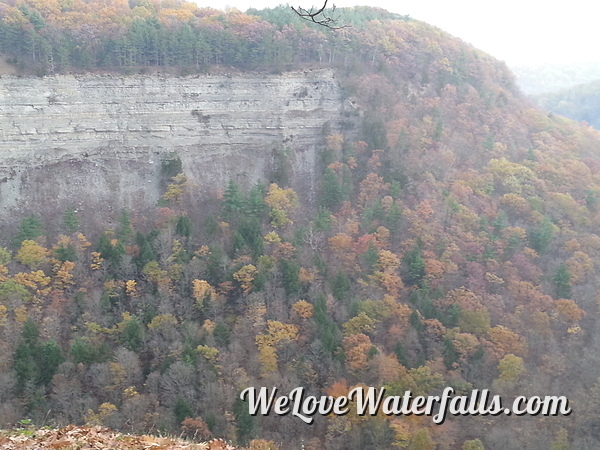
(96, 142)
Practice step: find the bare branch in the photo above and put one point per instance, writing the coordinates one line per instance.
(325, 20)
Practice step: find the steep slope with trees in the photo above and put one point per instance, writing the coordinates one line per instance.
(454, 242)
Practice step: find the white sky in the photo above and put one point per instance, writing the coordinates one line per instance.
(520, 32)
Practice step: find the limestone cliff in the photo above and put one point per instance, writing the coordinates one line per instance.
(96, 142)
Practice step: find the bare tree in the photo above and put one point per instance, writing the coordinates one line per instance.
(320, 16)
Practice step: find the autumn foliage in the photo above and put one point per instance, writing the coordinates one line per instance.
(449, 238)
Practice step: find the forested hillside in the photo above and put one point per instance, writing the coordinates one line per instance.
(55, 37)
(454, 242)
(580, 103)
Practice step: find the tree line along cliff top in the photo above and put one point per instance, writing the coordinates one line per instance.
(62, 36)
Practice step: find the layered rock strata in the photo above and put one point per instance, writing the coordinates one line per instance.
(98, 142)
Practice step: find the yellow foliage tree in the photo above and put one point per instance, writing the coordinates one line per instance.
(5, 256)
(357, 348)
(97, 261)
(342, 246)
(387, 261)
(131, 288)
(272, 238)
(359, 324)
(282, 203)
(569, 310)
(162, 320)
(99, 419)
(511, 368)
(3, 315)
(386, 276)
(505, 341)
(304, 309)
(284, 199)
(245, 276)
(32, 254)
(33, 280)
(155, 274)
(21, 314)
(202, 289)
(334, 142)
(210, 353)
(175, 190)
(277, 333)
(64, 275)
(3, 273)
(279, 218)
(580, 265)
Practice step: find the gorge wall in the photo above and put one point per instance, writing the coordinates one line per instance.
(96, 142)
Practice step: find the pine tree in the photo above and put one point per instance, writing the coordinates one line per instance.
(71, 221)
(183, 226)
(233, 201)
(182, 410)
(31, 228)
(562, 281)
(244, 421)
(541, 236)
(413, 266)
(124, 230)
(331, 190)
(255, 204)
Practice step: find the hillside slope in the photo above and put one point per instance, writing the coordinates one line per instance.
(452, 241)
(579, 103)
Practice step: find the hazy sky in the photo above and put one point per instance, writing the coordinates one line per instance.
(517, 31)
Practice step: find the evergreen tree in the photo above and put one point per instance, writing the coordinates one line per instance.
(145, 255)
(183, 226)
(222, 334)
(290, 276)
(66, 253)
(370, 258)
(331, 190)
(86, 352)
(133, 334)
(541, 236)
(413, 266)
(340, 286)
(422, 441)
(328, 331)
(182, 410)
(112, 252)
(393, 218)
(255, 204)
(34, 362)
(124, 229)
(31, 228)
(233, 201)
(322, 221)
(400, 353)
(562, 281)
(450, 354)
(245, 423)
(71, 221)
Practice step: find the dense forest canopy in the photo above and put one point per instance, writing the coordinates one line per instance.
(63, 36)
(454, 242)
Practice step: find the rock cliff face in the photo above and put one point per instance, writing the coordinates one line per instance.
(97, 142)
